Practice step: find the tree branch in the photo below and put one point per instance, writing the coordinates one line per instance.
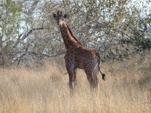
(31, 30)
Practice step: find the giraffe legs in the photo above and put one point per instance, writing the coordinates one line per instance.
(72, 76)
(92, 78)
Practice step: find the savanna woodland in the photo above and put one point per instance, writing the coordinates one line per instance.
(33, 78)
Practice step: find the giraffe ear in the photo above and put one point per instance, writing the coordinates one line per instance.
(54, 15)
(65, 16)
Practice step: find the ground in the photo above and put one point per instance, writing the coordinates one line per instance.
(127, 89)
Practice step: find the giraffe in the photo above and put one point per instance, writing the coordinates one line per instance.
(78, 56)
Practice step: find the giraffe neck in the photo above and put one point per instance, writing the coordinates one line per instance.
(69, 39)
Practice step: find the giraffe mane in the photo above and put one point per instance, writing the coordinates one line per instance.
(72, 34)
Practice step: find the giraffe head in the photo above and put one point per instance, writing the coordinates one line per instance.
(59, 17)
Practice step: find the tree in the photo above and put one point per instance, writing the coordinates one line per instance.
(9, 28)
(115, 28)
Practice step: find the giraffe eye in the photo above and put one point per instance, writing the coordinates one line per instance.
(54, 15)
(65, 16)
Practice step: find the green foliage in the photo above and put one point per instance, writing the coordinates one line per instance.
(107, 26)
(10, 16)
(10, 21)
(115, 28)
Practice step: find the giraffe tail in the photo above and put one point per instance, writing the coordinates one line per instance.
(103, 75)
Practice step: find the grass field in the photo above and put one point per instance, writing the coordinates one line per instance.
(127, 89)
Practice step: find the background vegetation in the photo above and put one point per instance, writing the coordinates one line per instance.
(115, 28)
(127, 89)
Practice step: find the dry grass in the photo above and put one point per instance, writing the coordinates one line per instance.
(126, 90)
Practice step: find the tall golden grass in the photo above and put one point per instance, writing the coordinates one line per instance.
(127, 89)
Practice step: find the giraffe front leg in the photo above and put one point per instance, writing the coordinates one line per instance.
(72, 76)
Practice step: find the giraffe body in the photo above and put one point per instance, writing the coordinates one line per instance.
(78, 56)
(84, 59)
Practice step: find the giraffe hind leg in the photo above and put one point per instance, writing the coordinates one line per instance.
(92, 78)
